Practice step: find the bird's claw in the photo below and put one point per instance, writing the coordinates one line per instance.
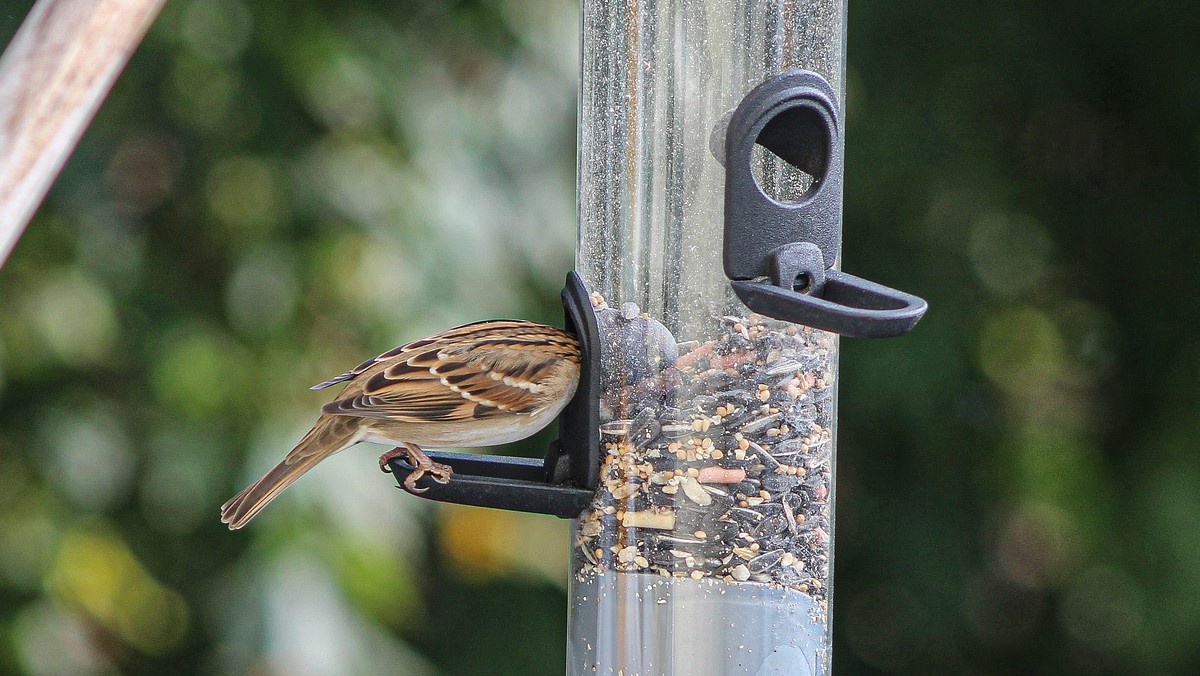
(436, 471)
(422, 465)
(386, 459)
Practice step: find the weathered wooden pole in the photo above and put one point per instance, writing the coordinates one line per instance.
(53, 77)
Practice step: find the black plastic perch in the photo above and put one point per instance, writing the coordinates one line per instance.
(564, 481)
(779, 256)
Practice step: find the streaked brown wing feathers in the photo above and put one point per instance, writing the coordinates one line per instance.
(391, 355)
(470, 372)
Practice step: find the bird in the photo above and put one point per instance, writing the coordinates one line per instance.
(479, 384)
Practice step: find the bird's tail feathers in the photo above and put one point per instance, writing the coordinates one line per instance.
(327, 437)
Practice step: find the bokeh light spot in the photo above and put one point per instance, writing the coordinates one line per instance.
(1021, 349)
(484, 543)
(50, 640)
(91, 458)
(142, 172)
(474, 539)
(376, 582)
(262, 292)
(342, 93)
(1037, 546)
(216, 29)
(1010, 253)
(111, 244)
(200, 372)
(75, 317)
(28, 536)
(204, 95)
(246, 194)
(362, 181)
(96, 572)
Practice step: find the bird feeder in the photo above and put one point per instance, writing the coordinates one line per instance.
(697, 458)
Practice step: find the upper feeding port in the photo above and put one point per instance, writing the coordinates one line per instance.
(783, 215)
(794, 117)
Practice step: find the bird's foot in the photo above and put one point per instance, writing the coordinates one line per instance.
(422, 463)
(387, 457)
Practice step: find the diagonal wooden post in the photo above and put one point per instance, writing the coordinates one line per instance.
(53, 76)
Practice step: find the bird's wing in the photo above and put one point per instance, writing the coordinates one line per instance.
(472, 372)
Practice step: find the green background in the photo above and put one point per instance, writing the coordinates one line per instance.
(275, 190)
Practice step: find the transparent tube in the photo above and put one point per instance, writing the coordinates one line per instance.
(708, 547)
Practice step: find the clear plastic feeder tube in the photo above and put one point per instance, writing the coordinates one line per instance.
(708, 547)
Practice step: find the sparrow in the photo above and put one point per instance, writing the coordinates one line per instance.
(479, 384)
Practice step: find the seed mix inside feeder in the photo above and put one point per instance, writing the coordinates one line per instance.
(716, 460)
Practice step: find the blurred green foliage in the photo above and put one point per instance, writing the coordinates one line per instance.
(276, 189)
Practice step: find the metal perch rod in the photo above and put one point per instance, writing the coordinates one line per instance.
(53, 76)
